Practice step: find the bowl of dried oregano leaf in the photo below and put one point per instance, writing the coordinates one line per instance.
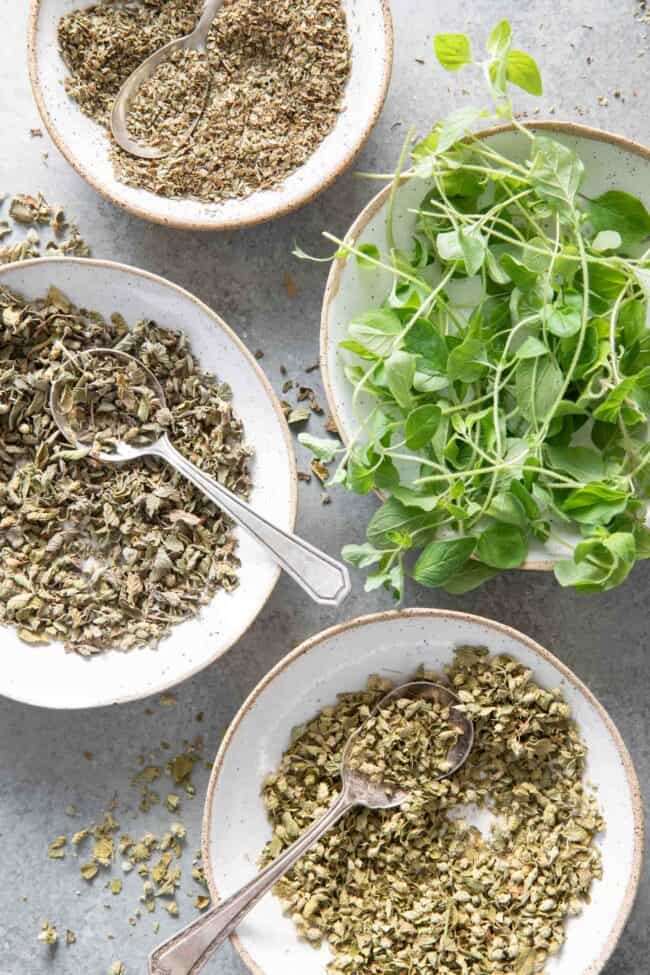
(526, 860)
(117, 582)
(295, 87)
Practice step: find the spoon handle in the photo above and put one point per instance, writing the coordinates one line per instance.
(210, 10)
(188, 950)
(325, 579)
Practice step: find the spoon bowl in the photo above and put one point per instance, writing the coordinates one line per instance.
(122, 451)
(194, 41)
(375, 795)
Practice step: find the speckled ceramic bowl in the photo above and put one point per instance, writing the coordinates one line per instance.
(46, 674)
(235, 827)
(85, 145)
(611, 162)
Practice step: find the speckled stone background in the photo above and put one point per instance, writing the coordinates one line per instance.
(595, 61)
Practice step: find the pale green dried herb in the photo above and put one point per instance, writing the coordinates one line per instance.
(26, 210)
(48, 933)
(419, 889)
(278, 73)
(405, 746)
(99, 556)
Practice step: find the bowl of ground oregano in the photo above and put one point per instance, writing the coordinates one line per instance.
(526, 860)
(294, 88)
(118, 581)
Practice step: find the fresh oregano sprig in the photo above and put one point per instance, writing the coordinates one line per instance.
(502, 387)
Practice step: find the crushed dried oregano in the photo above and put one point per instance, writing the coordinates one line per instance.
(98, 556)
(278, 70)
(420, 889)
(48, 933)
(104, 400)
(34, 212)
(405, 745)
(104, 850)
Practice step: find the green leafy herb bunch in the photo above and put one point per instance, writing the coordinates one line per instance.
(502, 386)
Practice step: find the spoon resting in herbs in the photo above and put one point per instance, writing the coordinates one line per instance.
(194, 41)
(379, 787)
(111, 406)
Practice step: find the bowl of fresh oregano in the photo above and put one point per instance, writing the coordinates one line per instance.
(525, 860)
(486, 351)
(293, 90)
(118, 581)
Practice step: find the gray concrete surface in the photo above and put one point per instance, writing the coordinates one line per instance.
(587, 49)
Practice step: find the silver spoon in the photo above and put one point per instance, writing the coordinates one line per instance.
(325, 579)
(187, 951)
(195, 41)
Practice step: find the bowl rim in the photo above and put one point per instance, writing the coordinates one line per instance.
(373, 206)
(219, 323)
(434, 614)
(207, 224)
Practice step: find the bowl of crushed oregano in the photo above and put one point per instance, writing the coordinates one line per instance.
(526, 860)
(293, 90)
(118, 581)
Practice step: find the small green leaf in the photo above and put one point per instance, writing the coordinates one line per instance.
(467, 362)
(360, 479)
(565, 317)
(538, 383)
(421, 424)
(503, 546)
(522, 70)
(472, 575)
(393, 516)
(469, 246)
(361, 555)
(357, 349)
(399, 371)
(499, 39)
(595, 504)
(415, 499)
(606, 240)
(425, 340)
(507, 509)
(581, 463)
(531, 348)
(599, 563)
(322, 447)
(456, 126)
(441, 559)
(376, 330)
(555, 170)
(519, 274)
(621, 212)
(452, 50)
(368, 254)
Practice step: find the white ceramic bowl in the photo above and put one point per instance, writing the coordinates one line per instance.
(48, 675)
(611, 162)
(85, 145)
(393, 644)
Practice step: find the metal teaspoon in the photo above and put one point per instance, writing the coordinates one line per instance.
(186, 952)
(324, 579)
(194, 41)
